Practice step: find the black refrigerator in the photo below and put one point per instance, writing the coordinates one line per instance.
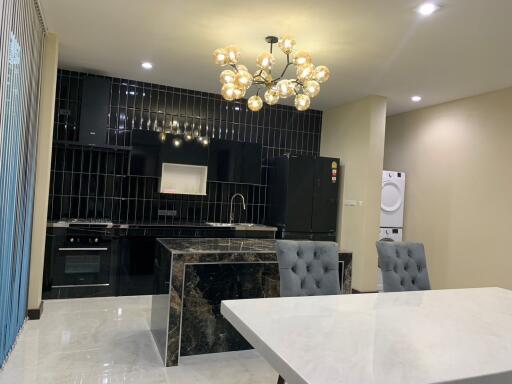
(304, 194)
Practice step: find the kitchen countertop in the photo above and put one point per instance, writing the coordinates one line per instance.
(183, 246)
(108, 225)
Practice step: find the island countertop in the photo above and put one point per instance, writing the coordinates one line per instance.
(193, 276)
(184, 246)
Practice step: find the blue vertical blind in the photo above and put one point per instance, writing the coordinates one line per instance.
(21, 39)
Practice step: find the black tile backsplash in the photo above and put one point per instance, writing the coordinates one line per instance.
(94, 183)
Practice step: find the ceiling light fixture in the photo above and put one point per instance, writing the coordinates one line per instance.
(426, 9)
(416, 99)
(147, 65)
(237, 80)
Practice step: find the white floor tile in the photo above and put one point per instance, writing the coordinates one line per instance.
(108, 341)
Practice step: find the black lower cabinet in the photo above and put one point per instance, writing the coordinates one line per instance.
(82, 262)
(136, 260)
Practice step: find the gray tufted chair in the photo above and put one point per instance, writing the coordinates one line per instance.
(403, 265)
(308, 268)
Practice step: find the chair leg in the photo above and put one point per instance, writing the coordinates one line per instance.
(280, 380)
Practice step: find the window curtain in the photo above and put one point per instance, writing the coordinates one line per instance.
(21, 44)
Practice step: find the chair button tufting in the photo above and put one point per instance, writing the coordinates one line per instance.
(308, 268)
(413, 282)
(326, 270)
(397, 254)
(317, 283)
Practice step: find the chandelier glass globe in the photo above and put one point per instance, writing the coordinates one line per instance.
(220, 56)
(233, 54)
(322, 74)
(227, 76)
(271, 96)
(255, 103)
(302, 102)
(311, 88)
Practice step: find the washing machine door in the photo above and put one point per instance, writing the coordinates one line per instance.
(391, 197)
(392, 202)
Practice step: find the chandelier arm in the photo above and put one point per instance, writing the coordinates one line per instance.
(284, 70)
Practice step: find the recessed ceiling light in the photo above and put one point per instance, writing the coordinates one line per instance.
(147, 65)
(426, 9)
(416, 99)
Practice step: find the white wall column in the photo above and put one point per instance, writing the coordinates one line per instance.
(355, 133)
(43, 163)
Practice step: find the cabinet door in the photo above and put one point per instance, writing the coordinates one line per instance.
(94, 112)
(136, 261)
(300, 194)
(325, 195)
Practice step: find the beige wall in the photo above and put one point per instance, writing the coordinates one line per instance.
(44, 152)
(458, 159)
(355, 133)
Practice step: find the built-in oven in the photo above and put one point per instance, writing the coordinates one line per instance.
(83, 261)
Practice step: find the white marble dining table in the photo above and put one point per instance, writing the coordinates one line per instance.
(438, 336)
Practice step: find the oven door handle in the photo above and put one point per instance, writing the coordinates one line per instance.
(84, 249)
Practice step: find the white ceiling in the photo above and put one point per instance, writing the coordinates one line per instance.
(378, 47)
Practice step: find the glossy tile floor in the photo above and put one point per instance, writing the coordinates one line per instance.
(107, 340)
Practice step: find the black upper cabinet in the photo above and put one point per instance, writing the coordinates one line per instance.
(94, 110)
(149, 152)
(236, 162)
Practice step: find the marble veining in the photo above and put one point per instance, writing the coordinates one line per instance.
(195, 275)
(422, 337)
(209, 246)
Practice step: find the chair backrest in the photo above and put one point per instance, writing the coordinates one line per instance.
(403, 266)
(308, 268)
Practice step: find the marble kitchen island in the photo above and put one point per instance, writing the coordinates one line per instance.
(193, 276)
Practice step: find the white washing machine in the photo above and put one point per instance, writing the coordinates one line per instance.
(392, 199)
(387, 234)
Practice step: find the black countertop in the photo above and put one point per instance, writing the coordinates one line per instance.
(183, 246)
(234, 226)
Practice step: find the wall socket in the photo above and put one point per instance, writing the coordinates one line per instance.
(353, 203)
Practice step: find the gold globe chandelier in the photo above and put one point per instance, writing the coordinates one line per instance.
(237, 80)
